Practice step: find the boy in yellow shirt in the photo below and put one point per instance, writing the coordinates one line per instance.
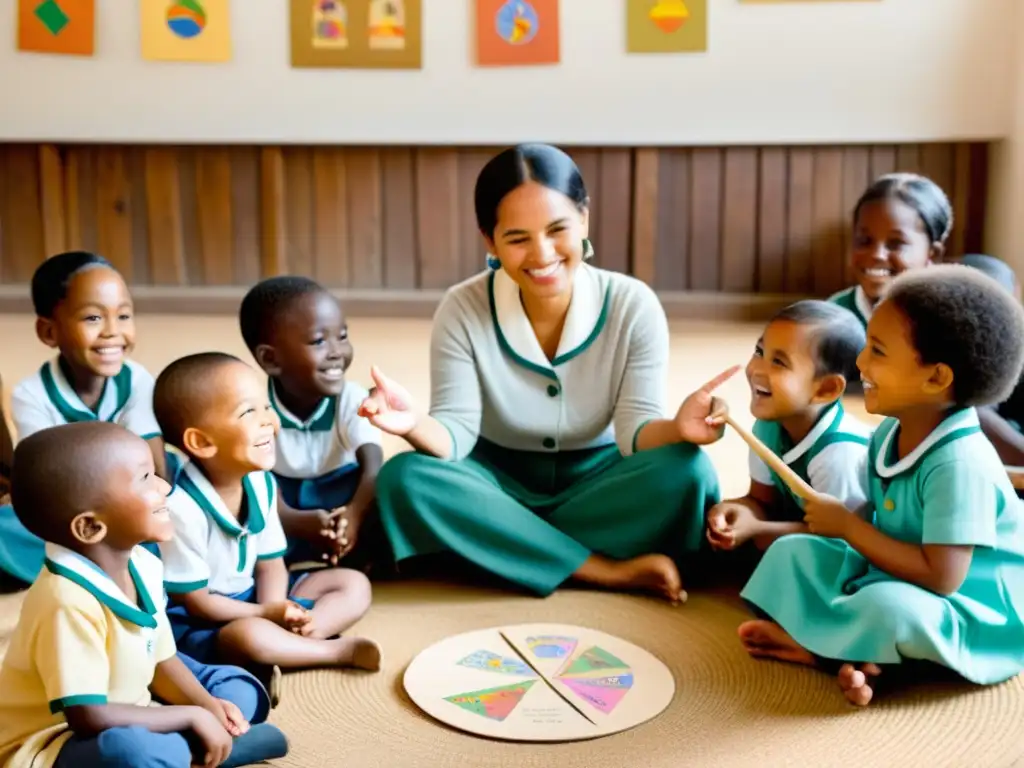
(93, 647)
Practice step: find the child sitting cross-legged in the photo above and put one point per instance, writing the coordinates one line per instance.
(225, 573)
(936, 574)
(328, 455)
(93, 648)
(797, 375)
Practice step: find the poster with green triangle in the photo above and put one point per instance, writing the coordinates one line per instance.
(492, 703)
(593, 659)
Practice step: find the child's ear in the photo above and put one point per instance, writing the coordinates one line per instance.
(936, 252)
(940, 380)
(87, 528)
(266, 358)
(46, 330)
(198, 444)
(829, 389)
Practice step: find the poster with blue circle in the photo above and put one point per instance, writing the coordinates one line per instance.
(517, 22)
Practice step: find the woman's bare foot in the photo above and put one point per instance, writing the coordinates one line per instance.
(358, 652)
(651, 573)
(856, 682)
(767, 640)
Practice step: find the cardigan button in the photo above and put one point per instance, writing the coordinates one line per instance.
(553, 390)
(549, 442)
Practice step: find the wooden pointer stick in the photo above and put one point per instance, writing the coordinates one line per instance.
(1016, 476)
(795, 483)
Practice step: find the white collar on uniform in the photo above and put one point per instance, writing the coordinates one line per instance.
(64, 562)
(113, 399)
(587, 313)
(863, 303)
(321, 420)
(958, 424)
(830, 417)
(194, 483)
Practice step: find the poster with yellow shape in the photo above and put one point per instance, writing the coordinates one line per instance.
(666, 26)
(186, 30)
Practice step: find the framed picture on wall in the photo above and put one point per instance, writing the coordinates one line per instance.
(666, 26)
(57, 26)
(186, 30)
(361, 34)
(517, 32)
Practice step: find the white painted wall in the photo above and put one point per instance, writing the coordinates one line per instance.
(893, 70)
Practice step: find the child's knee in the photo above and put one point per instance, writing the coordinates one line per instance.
(356, 587)
(137, 747)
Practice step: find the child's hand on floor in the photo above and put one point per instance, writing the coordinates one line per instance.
(731, 525)
(230, 717)
(215, 738)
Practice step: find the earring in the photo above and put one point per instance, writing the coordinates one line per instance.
(588, 249)
(492, 262)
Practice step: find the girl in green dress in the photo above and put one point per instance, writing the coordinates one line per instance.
(938, 575)
(547, 453)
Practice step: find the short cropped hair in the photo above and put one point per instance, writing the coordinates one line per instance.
(60, 472)
(836, 333)
(918, 192)
(963, 318)
(267, 301)
(183, 390)
(51, 279)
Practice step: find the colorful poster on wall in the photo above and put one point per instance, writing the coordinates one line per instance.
(57, 26)
(186, 30)
(517, 32)
(366, 34)
(666, 26)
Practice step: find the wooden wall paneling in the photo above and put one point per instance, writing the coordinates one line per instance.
(20, 215)
(856, 177)
(672, 253)
(82, 200)
(214, 216)
(135, 165)
(188, 188)
(72, 203)
(5, 267)
(705, 219)
(937, 163)
(398, 179)
(739, 220)
(437, 216)
(272, 213)
(908, 158)
(615, 187)
(800, 221)
(772, 204)
(113, 209)
(298, 217)
(472, 248)
(959, 200)
(883, 161)
(362, 175)
(166, 248)
(51, 199)
(245, 213)
(828, 266)
(331, 257)
(977, 197)
(645, 214)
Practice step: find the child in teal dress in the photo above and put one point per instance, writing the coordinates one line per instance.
(901, 222)
(797, 376)
(938, 576)
(85, 312)
(328, 456)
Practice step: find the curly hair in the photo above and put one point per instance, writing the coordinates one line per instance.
(963, 318)
(266, 301)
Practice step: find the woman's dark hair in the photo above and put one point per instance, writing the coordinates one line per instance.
(920, 193)
(540, 163)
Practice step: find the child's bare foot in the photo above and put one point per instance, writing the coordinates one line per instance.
(856, 682)
(358, 652)
(767, 640)
(651, 573)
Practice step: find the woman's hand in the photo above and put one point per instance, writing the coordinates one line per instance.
(701, 417)
(389, 406)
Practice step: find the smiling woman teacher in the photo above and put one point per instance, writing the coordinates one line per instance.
(545, 455)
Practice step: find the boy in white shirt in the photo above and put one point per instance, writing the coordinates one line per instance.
(224, 567)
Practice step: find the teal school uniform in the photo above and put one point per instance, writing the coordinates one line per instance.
(544, 469)
(46, 399)
(855, 300)
(831, 458)
(951, 490)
